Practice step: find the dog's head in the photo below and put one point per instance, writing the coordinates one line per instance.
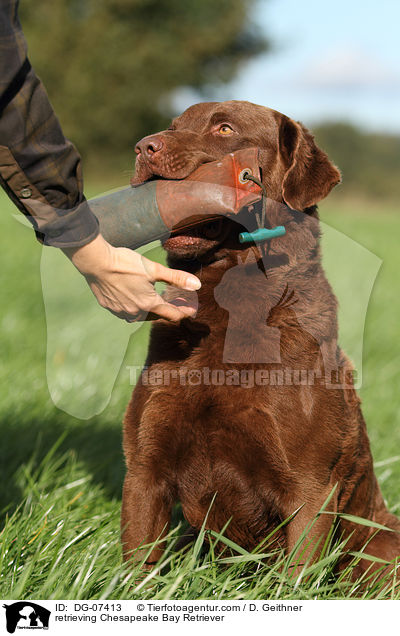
(294, 170)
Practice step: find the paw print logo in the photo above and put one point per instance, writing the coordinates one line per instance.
(194, 377)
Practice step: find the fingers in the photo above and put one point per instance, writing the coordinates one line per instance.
(138, 316)
(152, 308)
(169, 312)
(162, 310)
(176, 277)
(127, 289)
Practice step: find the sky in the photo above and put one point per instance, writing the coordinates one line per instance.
(329, 61)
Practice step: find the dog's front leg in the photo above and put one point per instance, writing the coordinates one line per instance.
(309, 523)
(145, 517)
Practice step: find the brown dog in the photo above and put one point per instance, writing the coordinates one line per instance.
(196, 428)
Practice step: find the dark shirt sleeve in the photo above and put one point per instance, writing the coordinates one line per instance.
(39, 169)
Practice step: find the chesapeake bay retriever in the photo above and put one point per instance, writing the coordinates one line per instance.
(197, 430)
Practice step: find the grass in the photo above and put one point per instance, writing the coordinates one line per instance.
(60, 491)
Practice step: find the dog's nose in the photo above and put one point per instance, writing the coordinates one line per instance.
(149, 146)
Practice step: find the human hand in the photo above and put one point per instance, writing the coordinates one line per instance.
(123, 281)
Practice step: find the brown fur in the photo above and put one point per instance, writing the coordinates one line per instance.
(265, 451)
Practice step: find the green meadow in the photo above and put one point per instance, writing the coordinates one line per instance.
(62, 466)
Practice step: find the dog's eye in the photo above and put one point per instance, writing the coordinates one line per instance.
(225, 129)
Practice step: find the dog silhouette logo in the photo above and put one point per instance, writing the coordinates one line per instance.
(26, 615)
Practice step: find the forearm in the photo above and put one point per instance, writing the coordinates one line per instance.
(39, 168)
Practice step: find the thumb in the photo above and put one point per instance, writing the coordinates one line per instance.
(177, 277)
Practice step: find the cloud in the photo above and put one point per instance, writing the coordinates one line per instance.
(347, 68)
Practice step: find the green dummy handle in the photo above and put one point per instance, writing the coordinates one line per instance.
(130, 217)
(262, 234)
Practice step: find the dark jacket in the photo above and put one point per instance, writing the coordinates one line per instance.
(39, 169)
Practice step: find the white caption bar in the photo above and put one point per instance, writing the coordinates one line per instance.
(174, 617)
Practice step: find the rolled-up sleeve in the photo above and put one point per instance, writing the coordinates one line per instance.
(39, 168)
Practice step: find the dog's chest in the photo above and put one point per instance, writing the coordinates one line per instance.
(218, 440)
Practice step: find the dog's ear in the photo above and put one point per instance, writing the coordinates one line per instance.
(310, 176)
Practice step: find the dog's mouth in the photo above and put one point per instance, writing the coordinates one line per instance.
(167, 168)
(212, 229)
(198, 239)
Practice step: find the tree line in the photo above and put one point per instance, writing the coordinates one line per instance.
(111, 66)
(369, 162)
